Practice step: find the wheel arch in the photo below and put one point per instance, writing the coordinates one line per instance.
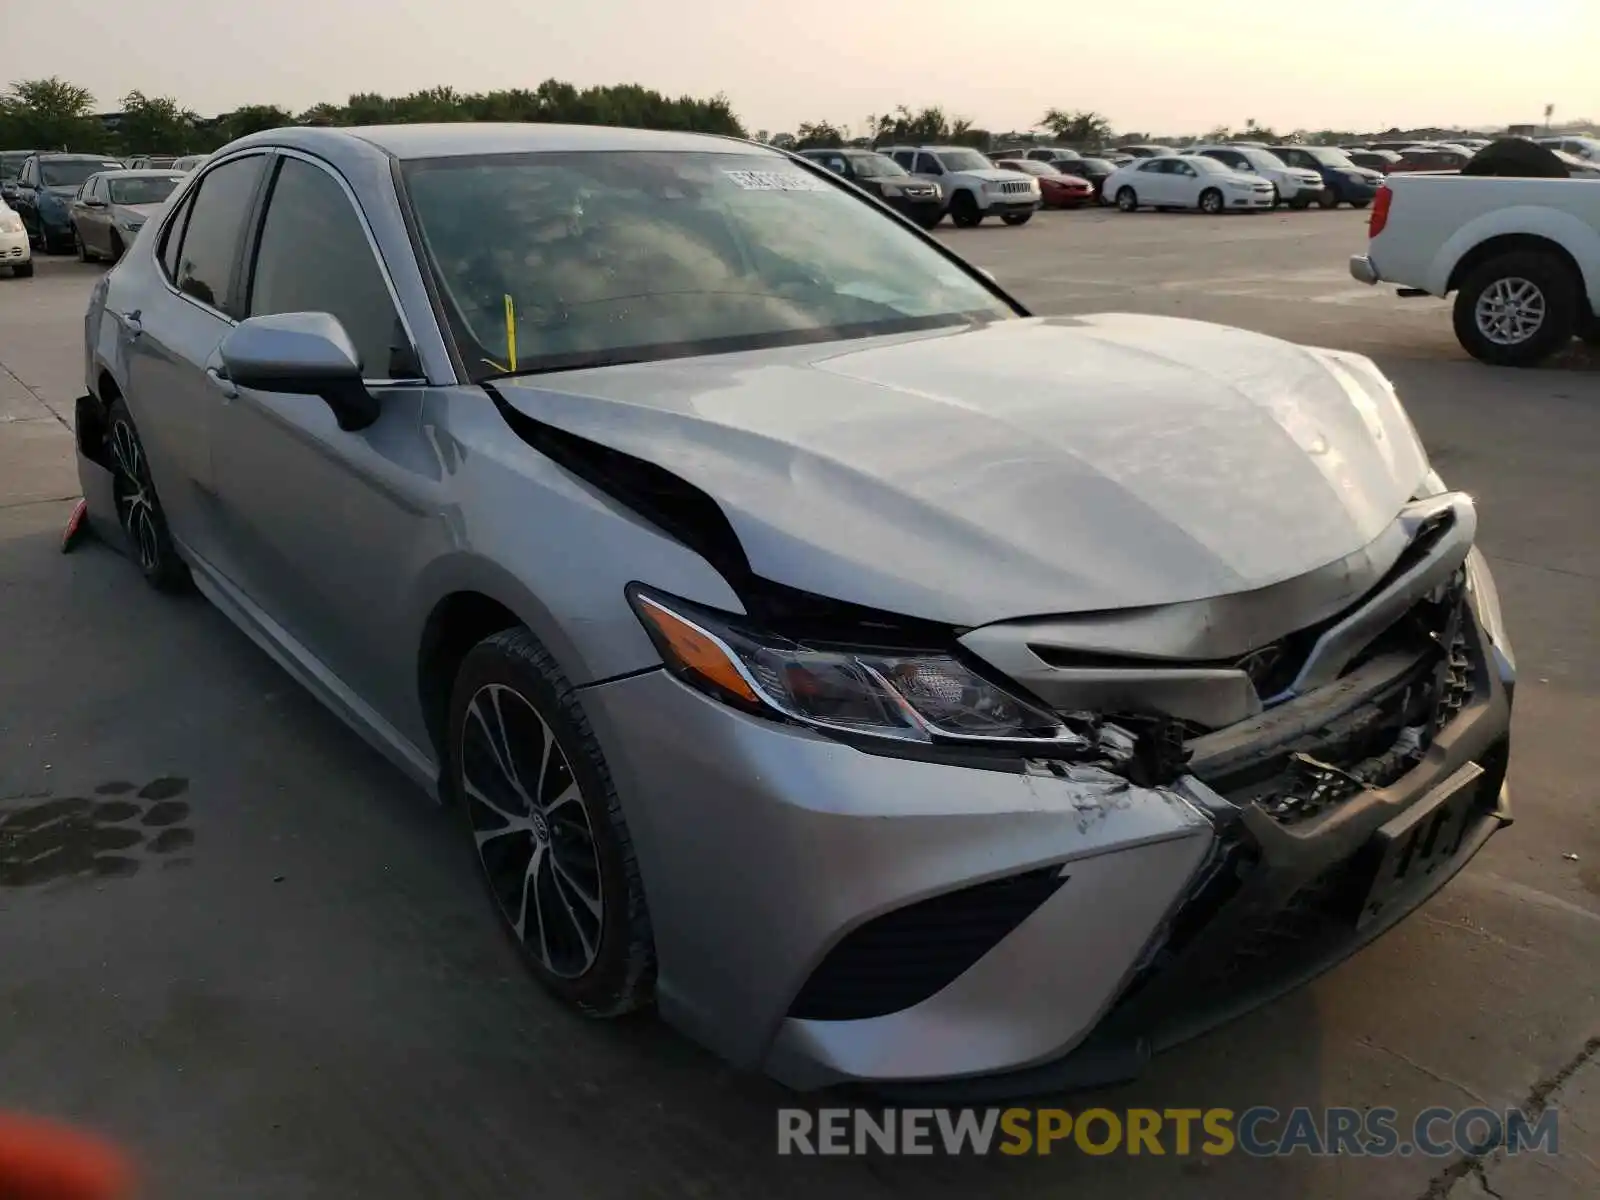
(455, 624)
(1511, 243)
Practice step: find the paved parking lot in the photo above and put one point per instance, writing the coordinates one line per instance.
(278, 976)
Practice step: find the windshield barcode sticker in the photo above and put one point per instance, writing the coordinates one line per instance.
(775, 181)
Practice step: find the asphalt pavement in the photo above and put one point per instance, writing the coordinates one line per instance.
(234, 938)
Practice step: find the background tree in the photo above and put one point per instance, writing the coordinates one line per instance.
(50, 114)
(252, 118)
(1082, 128)
(818, 135)
(155, 124)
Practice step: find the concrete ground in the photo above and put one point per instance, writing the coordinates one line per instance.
(263, 960)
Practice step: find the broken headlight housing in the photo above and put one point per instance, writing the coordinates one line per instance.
(921, 697)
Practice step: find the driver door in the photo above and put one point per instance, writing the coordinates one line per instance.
(319, 521)
(1183, 182)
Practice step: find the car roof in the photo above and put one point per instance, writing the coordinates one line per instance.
(64, 157)
(462, 139)
(140, 173)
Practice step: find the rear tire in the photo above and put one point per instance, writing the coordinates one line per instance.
(1518, 309)
(138, 507)
(547, 827)
(1359, 203)
(1127, 200)
(1300, 203)
(1328, 200)
(964, 211)
(1211, 202)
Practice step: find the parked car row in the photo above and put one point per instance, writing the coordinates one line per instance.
(84, 203)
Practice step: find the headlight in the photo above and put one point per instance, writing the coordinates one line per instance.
(11, 223)
(907, 696)
(891, 191)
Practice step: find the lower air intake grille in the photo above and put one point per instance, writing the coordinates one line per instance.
(905, 956)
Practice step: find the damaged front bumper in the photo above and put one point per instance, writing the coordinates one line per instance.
(939, 929)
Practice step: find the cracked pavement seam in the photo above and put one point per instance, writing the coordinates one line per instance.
(1537, 1100)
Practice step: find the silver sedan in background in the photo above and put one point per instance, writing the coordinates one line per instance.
(112, 207)
(888, 684)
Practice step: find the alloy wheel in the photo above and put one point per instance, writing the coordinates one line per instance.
(1510, 311)
(135, 495)
(532, 831)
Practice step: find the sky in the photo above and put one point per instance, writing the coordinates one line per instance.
(1163, 66)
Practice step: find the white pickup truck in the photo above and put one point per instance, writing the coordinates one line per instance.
(1521, 255)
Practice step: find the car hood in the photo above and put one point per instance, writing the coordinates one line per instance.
(135, 212)
(1023, 468)
(995, 175)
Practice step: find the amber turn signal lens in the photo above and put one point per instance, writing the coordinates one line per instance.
(696, 651)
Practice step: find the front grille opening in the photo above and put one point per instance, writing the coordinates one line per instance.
(903, 957)
(1374, 745)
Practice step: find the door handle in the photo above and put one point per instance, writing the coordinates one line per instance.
(222, 383)
(131, 323)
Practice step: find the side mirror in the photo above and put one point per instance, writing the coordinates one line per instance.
(303, 354)
(93, 202)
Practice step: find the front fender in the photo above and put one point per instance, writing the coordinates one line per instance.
(1575, 235)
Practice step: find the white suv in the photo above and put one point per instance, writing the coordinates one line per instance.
(1297, 187)
(973, 186)
(14, 249)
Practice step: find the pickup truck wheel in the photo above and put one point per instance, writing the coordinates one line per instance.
(1517, 310)
(964, 211)
(1128, 200)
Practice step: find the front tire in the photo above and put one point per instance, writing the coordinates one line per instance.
(964, 211)
(1517, 310)
(547, 826)
(1127, 200)
(23, 270)
(117, 248)
(78, 245)
(1016, 218)
(1328, 199)
(1360, 203)
(1300, 203)
(1211, 202)
(138, 507)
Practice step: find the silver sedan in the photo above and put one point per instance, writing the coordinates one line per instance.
(111, 208)
(887, 684)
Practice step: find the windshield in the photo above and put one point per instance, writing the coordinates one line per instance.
(876, 166)
(1209, 166)
(1264, 160)
(1027, 166)
(964, 160)
(568, 260)
(152, 189)
(70, 172)
(1329, 156)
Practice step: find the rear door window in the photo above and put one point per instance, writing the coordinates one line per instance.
(208, 256)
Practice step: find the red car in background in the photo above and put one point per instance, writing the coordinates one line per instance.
(1058, 190)
(1430, 158)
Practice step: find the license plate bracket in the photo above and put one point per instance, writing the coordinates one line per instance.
(1422, 839)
